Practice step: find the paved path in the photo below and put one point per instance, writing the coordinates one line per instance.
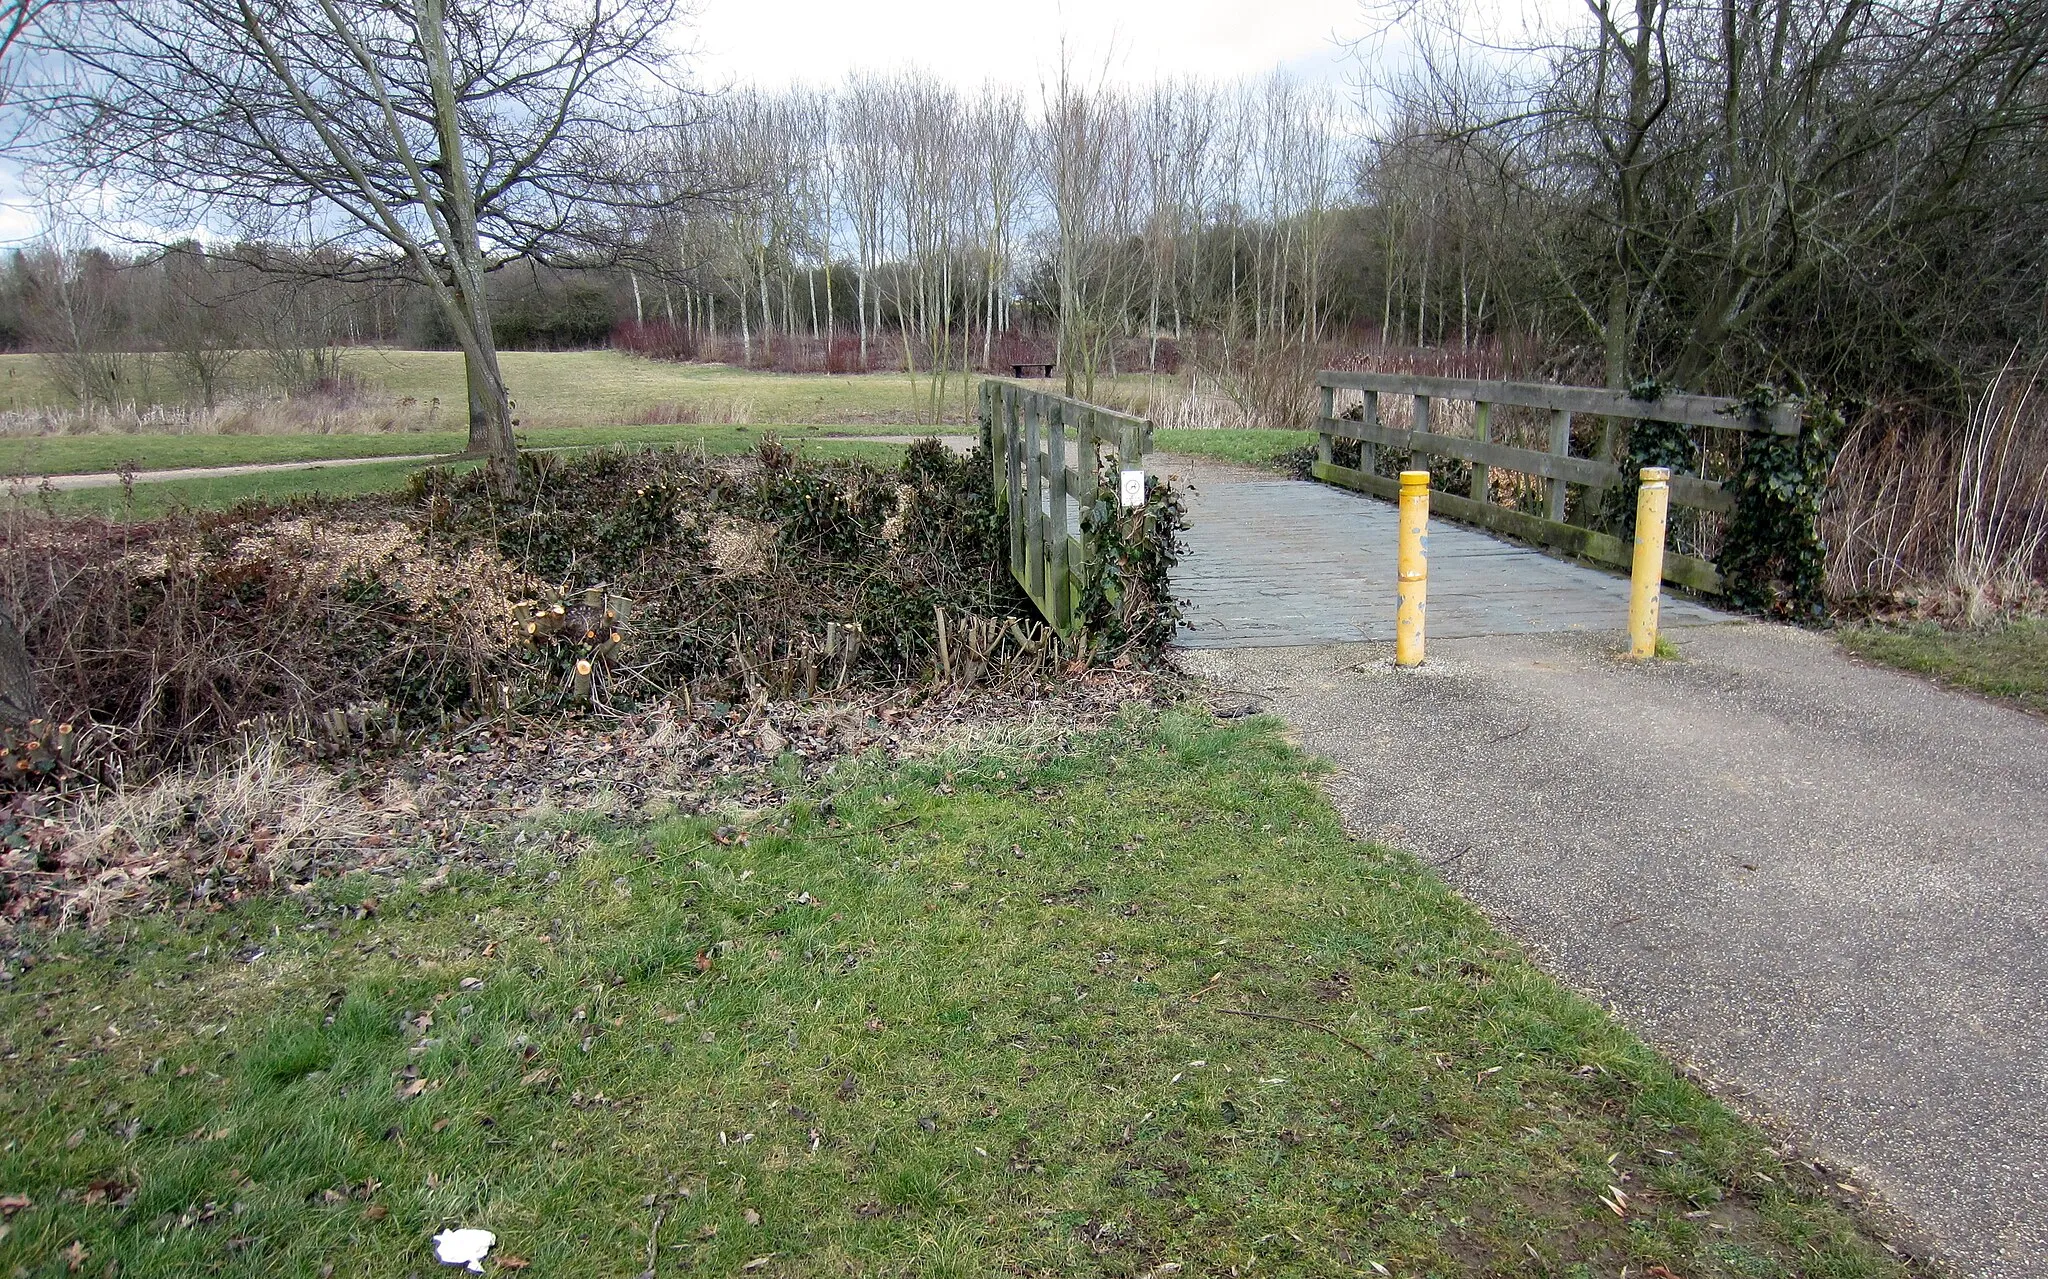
(1824, 883)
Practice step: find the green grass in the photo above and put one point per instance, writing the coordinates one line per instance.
(1245, 447)
(159, 497)
(577, 388)
(975, 1018)
(2008, 661)
(83, 454)
(164, 496)
(563, 398)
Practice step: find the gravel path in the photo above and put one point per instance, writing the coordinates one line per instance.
(1823, 883)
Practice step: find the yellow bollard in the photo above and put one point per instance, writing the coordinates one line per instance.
(1413, 566)
(1646, 576)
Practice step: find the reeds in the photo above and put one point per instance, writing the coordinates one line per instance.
(340, 410)
(1947, 524)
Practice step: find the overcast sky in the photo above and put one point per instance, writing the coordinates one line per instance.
(775, 43)
(1018, 42)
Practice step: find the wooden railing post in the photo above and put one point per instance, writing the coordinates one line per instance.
(1418, 422)
(1482, 428)
(1560, 445)
(1090, 475)
(994, 402)
(1019, 414)
(1369, 452)
(1328, 410)
(1034, 499)
(1058, 598)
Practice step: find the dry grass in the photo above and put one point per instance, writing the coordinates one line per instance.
(259, 805)
(345, 412)
(1954, 526)
(715, 410)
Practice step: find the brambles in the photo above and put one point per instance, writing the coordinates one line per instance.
(608, 581)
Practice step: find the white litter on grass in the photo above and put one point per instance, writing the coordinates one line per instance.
(464, 1247)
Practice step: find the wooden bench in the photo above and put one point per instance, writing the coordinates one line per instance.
(1020, 370)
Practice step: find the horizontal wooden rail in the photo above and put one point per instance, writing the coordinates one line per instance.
(1686, 490)
(1684, 570)
(1554, 467)
(1672, 406)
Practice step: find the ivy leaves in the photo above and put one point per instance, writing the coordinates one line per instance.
(1772, 559)
(1128, 604)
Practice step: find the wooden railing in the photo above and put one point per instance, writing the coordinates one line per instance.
(1027, 433)
(1552, 468)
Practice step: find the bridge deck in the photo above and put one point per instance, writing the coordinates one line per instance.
(1273, 562)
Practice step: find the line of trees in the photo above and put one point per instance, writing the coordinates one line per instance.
(1703, 193)
(900, 210)
(1711, 193)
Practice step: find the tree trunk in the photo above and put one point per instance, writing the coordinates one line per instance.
(18, 704)
(466, 298)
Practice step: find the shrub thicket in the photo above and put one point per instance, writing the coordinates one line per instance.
(611, 579)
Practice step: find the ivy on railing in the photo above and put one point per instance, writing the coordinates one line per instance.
(1127, 603)
(1666, 444)
(1772, 558)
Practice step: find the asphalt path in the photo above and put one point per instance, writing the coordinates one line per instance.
(1822, 884)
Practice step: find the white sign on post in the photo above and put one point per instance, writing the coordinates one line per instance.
(1132, 491)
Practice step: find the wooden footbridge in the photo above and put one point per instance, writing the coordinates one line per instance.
(1274, 562)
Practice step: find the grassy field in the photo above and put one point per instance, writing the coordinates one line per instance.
(154, 498)
(82, 454)
(1246, 447)
(1127, 1005)
(164, 496)
(76, 454)
(582, 388)
(2008, 661)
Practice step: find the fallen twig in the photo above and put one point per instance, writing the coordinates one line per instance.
(1352, 1044)
(653, 1238)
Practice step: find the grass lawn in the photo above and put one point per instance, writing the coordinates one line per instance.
(1086, 1008)
(82, 454)
(165, 496)
(578, 388)
(1245, 447)
(153, 498)
(564, 398)
(2008, 661)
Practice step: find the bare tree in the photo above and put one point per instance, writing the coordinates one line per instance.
(18, 700)
(1696, 168)
(454, 135)
(1078, 171)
